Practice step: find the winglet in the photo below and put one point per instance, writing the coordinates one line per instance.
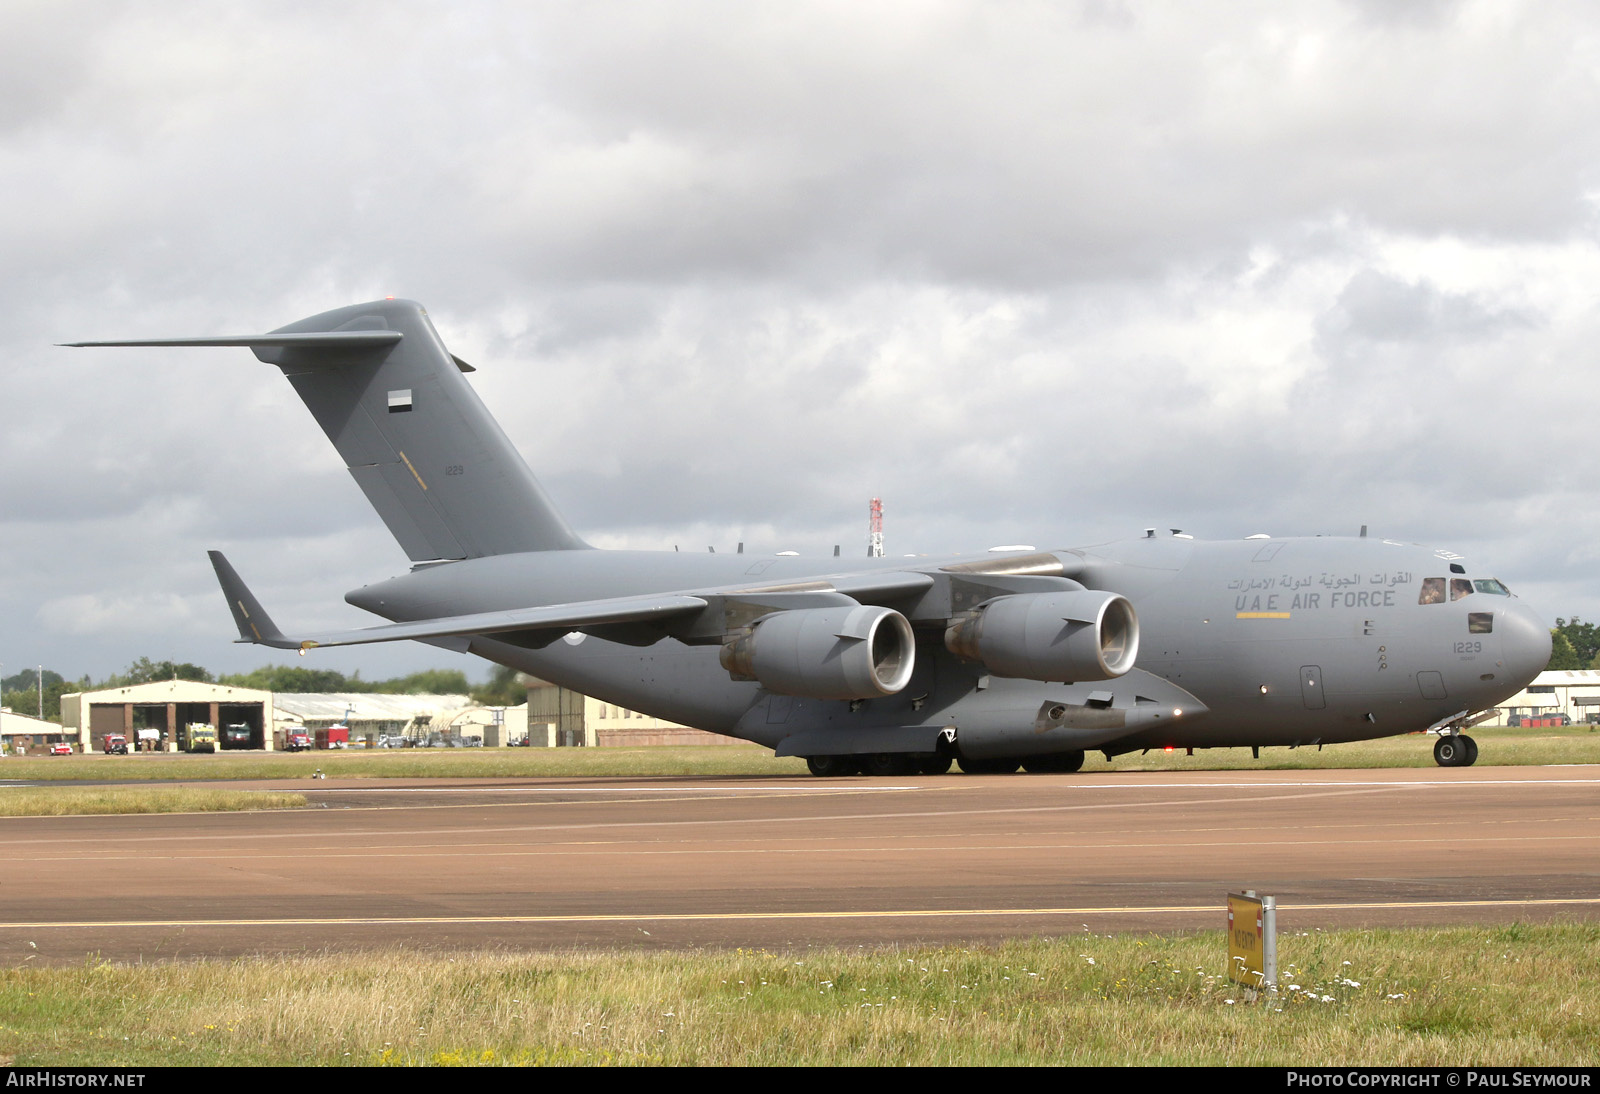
(255, 625)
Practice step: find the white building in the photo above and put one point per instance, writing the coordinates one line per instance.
(154, 715)
(24, 731)
(1573, 692)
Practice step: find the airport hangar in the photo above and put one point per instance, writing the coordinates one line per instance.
(154, 717)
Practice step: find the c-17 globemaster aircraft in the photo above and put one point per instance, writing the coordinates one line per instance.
(998, 661)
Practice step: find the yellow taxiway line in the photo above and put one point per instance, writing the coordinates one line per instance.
(700, 917)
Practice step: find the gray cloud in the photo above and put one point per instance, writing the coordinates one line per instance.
(1039, 273)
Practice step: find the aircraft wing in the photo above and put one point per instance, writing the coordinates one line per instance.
(257, 627)
(691, 615)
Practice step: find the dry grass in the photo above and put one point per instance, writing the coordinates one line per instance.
(62, 801)
(1479, 996)
(418, 763)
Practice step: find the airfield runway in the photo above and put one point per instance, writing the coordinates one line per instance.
(792, 862)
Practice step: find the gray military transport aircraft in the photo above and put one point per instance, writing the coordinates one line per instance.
(889, 666)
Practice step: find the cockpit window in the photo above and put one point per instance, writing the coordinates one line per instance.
(1492, 587)
(1480, 622)
(1432, 591)
(1460, 587)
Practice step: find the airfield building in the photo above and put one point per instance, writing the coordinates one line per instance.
(20, 733)
(153, 716)
(560, 717)
(1573, 692)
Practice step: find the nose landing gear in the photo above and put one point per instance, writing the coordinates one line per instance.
(1455, 750)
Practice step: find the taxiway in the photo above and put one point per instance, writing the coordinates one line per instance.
(792, 862)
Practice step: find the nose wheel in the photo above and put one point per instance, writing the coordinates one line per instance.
(1455, 750)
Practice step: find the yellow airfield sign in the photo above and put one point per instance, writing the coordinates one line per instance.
(1252, 939)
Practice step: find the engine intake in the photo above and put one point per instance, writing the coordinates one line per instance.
(1065, 636)
(854, 652)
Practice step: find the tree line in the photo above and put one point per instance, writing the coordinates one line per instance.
(1574, 644)
(504, 687)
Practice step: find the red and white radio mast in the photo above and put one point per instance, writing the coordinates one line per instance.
(875, 530)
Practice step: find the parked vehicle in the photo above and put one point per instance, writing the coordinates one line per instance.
(61, 748)
(334, 737)
(201, 737)
(297, 740)
(1542, 718)
(237, 735)
(114, 744)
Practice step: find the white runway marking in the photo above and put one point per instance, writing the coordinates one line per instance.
(644, 788)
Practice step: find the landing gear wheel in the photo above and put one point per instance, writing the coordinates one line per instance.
(829, 766)
(1054, 763)
(886, 763)
(1472, 752)
(933, 765)
(1003, 765)
(1451, 751)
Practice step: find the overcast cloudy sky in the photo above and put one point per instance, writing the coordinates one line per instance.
(1039, 273)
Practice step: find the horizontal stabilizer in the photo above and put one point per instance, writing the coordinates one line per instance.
(336, 339)
(416, 438)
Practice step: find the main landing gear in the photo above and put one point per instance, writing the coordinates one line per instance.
(938, 763)
(1455, 750)
(879, 763)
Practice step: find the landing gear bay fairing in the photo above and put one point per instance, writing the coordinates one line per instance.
(1004, 660)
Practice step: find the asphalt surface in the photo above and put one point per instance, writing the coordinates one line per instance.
(794, 862)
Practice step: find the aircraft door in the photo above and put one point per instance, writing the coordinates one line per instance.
(1311, 687)
(1431, 684)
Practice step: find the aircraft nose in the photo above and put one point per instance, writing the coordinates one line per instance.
(1525, 642)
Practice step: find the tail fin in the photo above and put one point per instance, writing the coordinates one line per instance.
(415, 436)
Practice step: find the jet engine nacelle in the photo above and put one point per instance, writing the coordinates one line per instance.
(1064, 636)
(854, 652)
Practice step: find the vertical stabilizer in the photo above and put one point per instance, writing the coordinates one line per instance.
(415, 436)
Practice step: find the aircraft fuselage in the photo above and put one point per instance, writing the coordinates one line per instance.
(1248, 642)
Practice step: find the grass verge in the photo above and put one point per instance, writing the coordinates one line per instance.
(63, 801)
(1498, 747)
(1526, 995)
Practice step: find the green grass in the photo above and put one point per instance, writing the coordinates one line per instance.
(1464, 996)
(1498, 747)
(63, 801)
